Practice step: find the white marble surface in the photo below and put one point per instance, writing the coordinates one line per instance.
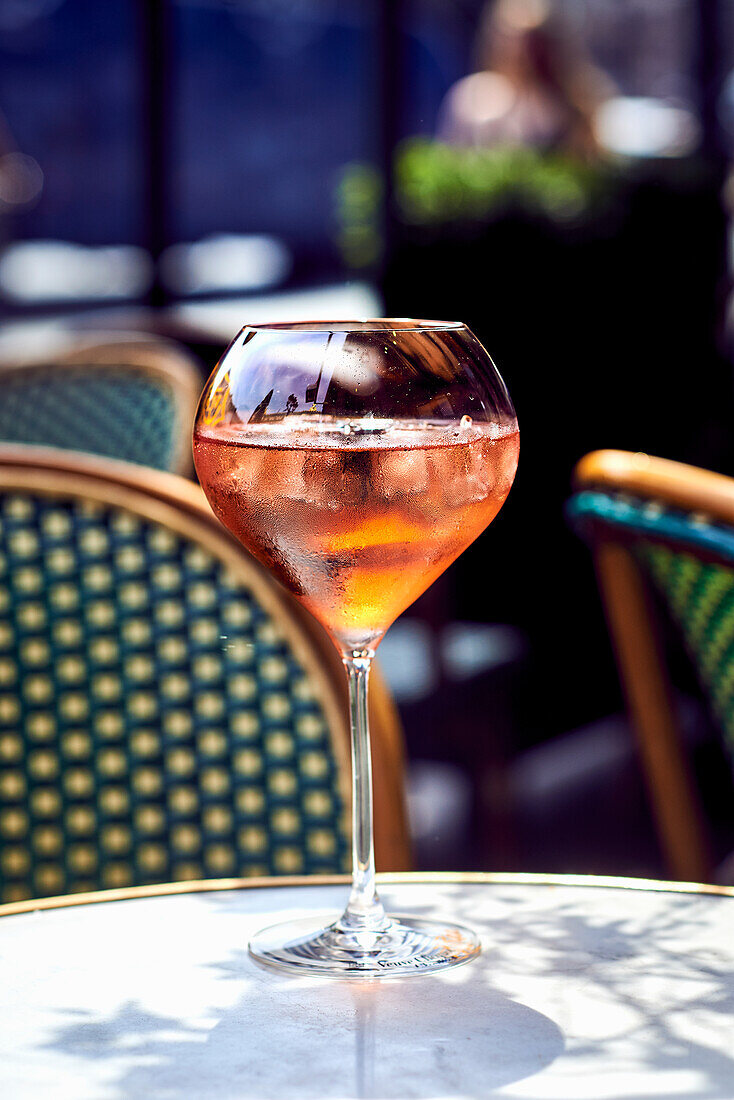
(582, 993)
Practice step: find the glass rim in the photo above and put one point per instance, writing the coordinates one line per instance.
(366, 325)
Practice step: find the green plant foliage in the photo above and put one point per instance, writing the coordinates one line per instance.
(359, 198)
(438, 184)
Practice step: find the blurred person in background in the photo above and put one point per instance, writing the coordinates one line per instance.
(535, 85)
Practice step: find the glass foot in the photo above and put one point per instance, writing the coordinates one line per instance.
(406, 945)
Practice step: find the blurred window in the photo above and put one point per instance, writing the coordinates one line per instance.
(271, 98)
(438, 49)
(69, 119)
(268, 103)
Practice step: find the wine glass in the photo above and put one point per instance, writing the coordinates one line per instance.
(356, 461)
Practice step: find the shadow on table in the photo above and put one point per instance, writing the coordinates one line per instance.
(326, 1039)
(460, 1034)
(622, 973)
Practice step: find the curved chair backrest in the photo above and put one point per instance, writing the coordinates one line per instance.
(166, 710)
(130, 398)
(665, 525)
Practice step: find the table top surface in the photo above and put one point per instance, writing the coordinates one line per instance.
(585, 990)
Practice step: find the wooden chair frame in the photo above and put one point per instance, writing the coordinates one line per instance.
(632, 626)
(181, 506)
(159, 360)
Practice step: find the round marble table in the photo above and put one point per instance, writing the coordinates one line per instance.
(587, 989)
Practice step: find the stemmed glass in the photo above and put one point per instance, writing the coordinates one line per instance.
(356, 461)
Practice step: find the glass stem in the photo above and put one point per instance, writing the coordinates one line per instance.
(364, 911)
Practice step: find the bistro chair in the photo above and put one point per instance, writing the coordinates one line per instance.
(132, 398)
(167, 711)
(662, 527)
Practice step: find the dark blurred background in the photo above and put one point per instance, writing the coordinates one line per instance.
(553, 173)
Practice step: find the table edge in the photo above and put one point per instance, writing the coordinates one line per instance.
(479, 878)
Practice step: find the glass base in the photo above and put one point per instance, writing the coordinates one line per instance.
(406, 945)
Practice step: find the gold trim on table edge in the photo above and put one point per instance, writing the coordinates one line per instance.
(469, 878)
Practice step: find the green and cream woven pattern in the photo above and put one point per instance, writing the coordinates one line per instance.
(118, 412)
(153, 723)
(700, 597)
(676, 550)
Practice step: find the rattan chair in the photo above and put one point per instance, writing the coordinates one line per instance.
(166, 710)
(662, 527)
(131, 397)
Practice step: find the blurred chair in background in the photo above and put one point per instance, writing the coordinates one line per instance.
(127, 397)
(664, 527)
(166, 711)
